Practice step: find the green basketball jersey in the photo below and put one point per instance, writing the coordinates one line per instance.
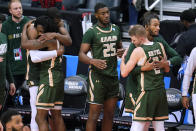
(104, 43)
(51, 73)
(153, 79)
(5, 72)
(33, 71)
(17, 57)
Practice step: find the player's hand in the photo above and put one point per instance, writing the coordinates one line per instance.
(12, 89)
(185, 102)
(101, 64)
(48, 36)
(1, 59)
(120, 52)
(163, 63)
(148, 66)
(124, 54)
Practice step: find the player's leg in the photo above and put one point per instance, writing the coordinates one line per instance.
(147, 125)
(138, 126)
(57, 119)
(41, 119)
(96, 100)
(43, 104)
(93, 115)
(33, 95)
(158, 125)
(109, 108)
(111, 91)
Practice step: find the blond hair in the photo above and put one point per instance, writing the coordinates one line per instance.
(137, 30)
(12, 1)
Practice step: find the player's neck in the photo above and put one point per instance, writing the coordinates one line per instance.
(17, 20)
(145, 41)
(103, 25)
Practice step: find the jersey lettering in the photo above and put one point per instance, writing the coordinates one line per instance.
(109, 39)
(154, 52)
(3, 49)
(110, 50)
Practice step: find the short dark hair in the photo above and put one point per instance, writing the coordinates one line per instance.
(99, 6)
(147, 17)
(7, 116)
(53, 12)
(2, 18)
(47, 23)
(188, 15)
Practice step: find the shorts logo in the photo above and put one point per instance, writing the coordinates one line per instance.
(97, 81)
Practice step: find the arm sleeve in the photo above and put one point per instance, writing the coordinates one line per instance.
(9, 75)
(39, 56)
(137, 69)
(173, 56)
(191, 66)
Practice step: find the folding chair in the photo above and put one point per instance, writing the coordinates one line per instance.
(75, 93)
(174, 104)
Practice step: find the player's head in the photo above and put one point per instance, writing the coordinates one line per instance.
(15, 8)
(102, 13)
(12, 120)
(137, 34)
(45, 24)
(2, 19)
(54, 14)
(151, 23)
(187, 17)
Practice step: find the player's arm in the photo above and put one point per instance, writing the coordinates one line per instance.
(39, 56)
(163, 62)
(85, 47)
(134, 58)
(191, 66)
(9, 76)
(174, 57)
(63, 36)
(31, 43)
(120, 49)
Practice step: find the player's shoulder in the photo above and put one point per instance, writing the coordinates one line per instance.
(115, 26)
(138, 50)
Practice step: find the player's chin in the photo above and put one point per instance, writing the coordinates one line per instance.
(106, 21)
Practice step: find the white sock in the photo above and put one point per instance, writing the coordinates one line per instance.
(158, 125)
(33, 95)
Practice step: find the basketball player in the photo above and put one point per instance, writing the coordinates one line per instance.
(151, 83)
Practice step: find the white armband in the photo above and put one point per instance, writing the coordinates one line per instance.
(39, 56)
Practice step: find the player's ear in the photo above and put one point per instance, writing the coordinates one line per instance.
(8, 125)
(96, 15)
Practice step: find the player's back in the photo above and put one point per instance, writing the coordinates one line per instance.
(153, 79)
